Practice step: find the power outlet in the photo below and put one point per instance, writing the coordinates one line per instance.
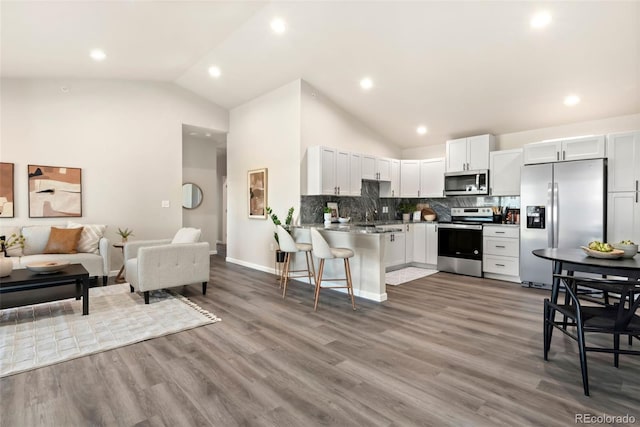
(385, 209)
(165, 204)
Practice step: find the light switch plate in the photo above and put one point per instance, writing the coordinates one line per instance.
(385, 209)
(166, 204)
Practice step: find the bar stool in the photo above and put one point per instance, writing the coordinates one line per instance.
(289, 246)
(322, 250)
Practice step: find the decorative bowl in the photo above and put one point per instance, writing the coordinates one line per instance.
(629, 250)
(429, 217)
(344, 220)
(616, 253)
(47, 266)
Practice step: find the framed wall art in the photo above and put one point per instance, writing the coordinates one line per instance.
(54, 191)
(6, 190)
(257, 183)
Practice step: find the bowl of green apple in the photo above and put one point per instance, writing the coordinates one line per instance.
(630, 249)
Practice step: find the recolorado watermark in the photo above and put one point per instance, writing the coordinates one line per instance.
(604, 419)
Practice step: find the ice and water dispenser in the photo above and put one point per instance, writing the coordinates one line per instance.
(535, 217)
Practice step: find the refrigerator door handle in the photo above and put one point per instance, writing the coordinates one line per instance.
(549, 224)
(556, 216)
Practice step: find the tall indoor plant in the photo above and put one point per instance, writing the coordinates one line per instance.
(276, 221)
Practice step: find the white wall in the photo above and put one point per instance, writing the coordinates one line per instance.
(263, 133)
(325, 123)
(125, 135)
(199, 166)
(518, 139)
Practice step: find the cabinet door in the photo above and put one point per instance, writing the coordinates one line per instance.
(623, 150)
(478, 148)
(432, 177)
(583, 148)
(328, 170)
(504, 172)
(432, 244)
(342, 173)
(355, 174)
(409, 235)
(369, 170)
(384, 169)
(394, 249)
(395, 178)
(419, 243)
(456, 155)
(542, 152)
(410, 178)
(623, 219)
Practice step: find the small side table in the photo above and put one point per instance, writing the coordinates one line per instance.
(120, 277)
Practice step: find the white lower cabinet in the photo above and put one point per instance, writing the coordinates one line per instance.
(501, 252)
(394, 251)
(425, 244)
(411, 244)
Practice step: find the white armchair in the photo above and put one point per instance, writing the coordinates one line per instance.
(159, 264)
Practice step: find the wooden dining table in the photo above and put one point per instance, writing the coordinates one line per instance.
(576, 260)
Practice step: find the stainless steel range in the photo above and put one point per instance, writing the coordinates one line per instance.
(460, 241)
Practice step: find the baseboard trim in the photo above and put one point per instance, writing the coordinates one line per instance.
(250, 265)
(214, 252)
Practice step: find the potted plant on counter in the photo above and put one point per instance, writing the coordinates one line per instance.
(276, 221)
(406, 209)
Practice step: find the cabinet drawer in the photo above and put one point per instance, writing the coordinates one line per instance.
(501, 246)
(501, 231)
(501, 265)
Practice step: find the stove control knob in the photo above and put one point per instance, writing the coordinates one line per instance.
(475, 252)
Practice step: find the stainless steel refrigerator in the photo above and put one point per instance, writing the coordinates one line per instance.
(562, 205)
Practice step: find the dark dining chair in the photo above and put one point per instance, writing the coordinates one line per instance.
(605, 318)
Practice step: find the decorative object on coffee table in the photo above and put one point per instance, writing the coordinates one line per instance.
(46, 266)
(6, 266)
(54, 191)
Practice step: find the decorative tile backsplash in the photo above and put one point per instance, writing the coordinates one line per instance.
(311, 207)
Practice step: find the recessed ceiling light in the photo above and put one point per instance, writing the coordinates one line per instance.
(421, 130)
(571, 100)
(214, 71)
(278, 26)
(97, 55)
(207, 135)
(541, 19)
(193, 133)
(366, 83)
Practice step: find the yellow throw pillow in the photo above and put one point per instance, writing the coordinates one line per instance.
(63, 241)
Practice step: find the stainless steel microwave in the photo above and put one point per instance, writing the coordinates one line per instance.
(466, 183)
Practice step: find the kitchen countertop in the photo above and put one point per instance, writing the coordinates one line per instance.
(371, 227)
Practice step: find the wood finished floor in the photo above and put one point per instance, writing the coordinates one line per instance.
(443, 350)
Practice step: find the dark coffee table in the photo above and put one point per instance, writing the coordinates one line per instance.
(24, 280)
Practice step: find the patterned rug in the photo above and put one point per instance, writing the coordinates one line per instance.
(408, 274)
(43, 334)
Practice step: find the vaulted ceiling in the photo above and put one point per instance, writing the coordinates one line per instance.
(458, 68)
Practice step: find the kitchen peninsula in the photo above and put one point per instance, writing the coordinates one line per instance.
(367, 266)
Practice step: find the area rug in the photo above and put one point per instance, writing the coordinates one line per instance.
(407, 274)
(43, 334)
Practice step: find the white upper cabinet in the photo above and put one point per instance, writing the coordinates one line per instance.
(623, 150)
(471, 153)
(395, 178)
(432, 177)
(355, 174)
(374, 168)
(410, 178)
(504, 172)
(589, 147)
(329, 172)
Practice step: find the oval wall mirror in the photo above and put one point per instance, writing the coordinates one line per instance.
(191, 195)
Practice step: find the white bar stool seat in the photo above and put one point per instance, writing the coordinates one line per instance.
(289, 246)
(323, 251)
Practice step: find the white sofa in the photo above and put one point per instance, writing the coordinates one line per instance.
(36, 237)
(159, 264)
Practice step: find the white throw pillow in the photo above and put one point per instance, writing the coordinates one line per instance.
(187, 235)
(35, 238)
(90, 236)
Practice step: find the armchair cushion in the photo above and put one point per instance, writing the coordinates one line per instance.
(187, 235)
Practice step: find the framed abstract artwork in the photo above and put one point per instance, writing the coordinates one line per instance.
(257, 183)
(6, 190)
(54, 191)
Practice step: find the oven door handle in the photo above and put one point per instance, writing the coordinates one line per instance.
(460, 226)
